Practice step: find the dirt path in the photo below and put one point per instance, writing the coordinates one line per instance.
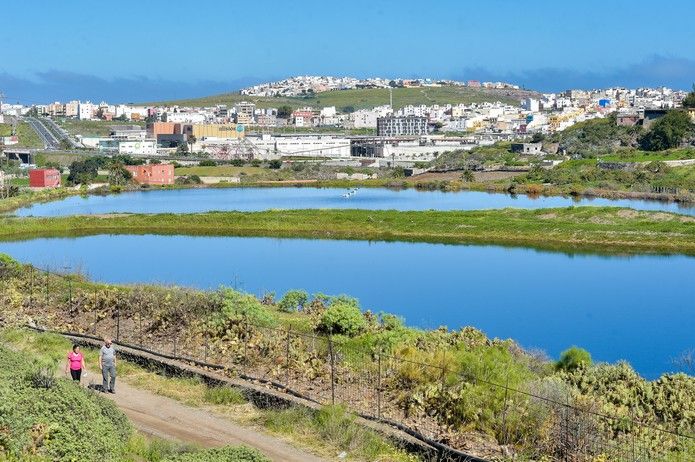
(166, 418)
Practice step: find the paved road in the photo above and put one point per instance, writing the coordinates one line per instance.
(48, 138)
(166, 418)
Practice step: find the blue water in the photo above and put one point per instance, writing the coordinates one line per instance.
(251, 199)
(636, 308)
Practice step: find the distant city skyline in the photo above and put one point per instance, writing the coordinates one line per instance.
(157, 50)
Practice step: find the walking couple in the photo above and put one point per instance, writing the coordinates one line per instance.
(107, 364)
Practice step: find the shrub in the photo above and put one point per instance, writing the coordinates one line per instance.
(225, 454)
(207, 163)
(293, 300)
(237, 306)
(573, 359)
(43, 377)
(275, 164)
(342, 318)
(60, 423)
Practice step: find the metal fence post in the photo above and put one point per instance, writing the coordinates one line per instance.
(31, 287)
(246, 343)
(332, 359)
(96, 304)
(287, 357)
(69, 294)
(140, 319)
(48, 273)
(118, 324)
(504, 411)
(378, 386)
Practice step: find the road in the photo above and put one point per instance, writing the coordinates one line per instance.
(48, 138)
(166, 418)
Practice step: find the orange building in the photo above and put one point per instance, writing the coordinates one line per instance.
(153, 174)
(44, 178)
(163, 128)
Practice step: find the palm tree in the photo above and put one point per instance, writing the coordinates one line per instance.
(468, 176)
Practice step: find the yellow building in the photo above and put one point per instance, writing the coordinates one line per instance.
(231, 131)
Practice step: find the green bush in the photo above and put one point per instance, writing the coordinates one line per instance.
(207, 163)
(342, 318)
(225, 454)
(293, 300)
(60, 423)
(573, 359)
(237, 306)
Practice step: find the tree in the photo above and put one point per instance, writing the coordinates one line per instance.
(689, 101)
(118, 175)
(573, 358)
(85, 171)
(668, 132)
(284, 112)
(293, 300)
(468, 176)
(538, 137)
(348, 109)
(275, 164)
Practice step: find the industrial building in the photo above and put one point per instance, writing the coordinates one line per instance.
(44, 178)
(401, 126)
(228, 131)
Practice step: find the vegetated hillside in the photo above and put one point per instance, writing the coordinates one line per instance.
(45, 418)
(369, 97)
(596, 137)
(53, 418)
(498, 154)
(463, 387)
(28, 138)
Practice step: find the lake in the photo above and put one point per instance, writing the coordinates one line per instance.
(637, 308)
(253, 199)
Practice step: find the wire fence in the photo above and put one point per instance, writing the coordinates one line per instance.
(425, 400)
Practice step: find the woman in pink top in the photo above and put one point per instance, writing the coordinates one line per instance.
(75, 363)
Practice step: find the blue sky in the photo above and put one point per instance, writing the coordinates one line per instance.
(143, 50)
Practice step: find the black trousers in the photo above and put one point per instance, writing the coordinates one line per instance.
(76, 374)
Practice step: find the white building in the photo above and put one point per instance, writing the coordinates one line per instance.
(129, 147)
(184, 117)
(86, 110)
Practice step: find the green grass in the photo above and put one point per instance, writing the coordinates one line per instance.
(588, 229)
(220, 170)
(92, 128)
(28, 138)
(634, 155)
(361, 98)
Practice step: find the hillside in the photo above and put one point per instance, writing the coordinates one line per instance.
(367, 98)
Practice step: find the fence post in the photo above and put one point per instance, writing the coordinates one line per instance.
(118, 324)
(378, 386)
(565, 433)
(332, 359)
(205, 339)
(246, 342)
(140, 319)
(48, 273)
(632, 428)
(504, 411)
(69, 293)
(176, 340)
(31, 287)
(96, 303)
(287, 357)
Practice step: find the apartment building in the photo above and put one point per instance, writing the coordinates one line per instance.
(401, 126)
